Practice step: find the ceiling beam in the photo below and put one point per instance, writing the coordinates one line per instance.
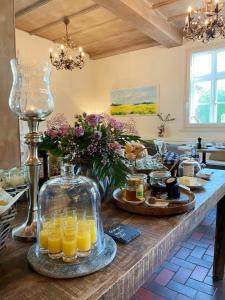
(31, 7)
(140, 15)
(104, 54)
(163, 3)
(76, 14)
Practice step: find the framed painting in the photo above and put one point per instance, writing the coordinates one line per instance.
(135, 101)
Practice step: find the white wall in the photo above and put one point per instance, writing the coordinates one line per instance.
(89, 89)
(72, 90)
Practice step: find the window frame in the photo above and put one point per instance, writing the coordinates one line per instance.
(189, 54)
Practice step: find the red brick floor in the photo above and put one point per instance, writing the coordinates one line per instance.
(187, 272)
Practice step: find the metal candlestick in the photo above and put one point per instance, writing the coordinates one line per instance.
(27, 231)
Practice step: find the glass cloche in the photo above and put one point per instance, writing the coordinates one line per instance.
(69, 221)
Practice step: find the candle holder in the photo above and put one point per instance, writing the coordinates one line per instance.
(32, 101)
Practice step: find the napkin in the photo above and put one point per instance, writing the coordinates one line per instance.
(8, 199)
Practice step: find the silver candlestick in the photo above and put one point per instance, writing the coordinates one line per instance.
(27, 231)
(31, 100)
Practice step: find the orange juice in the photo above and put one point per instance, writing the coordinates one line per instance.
(84, 241)
(54, 243)
(69, 247)
(83, 236)
(93, 229)
(43, 239)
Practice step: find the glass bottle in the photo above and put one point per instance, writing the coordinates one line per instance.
(70, 205)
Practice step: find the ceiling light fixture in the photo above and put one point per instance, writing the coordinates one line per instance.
(206, 23)
(68, 56)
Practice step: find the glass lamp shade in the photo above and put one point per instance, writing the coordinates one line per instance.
(70, 201)
(30, 96)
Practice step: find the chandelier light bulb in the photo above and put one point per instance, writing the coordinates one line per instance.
(56, 55)
(80, 49)
(189, 9)
(50, 50)
(82, 54)
(62, 47)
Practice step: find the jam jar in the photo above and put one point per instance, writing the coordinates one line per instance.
(135, 187)
(158, 179)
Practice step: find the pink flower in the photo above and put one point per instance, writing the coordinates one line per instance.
(52, 133)
(116, 124)
(93, 119)
(79, 131)
(63, 130)
(115, 146)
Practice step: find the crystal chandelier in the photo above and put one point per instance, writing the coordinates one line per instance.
(68, 56)
(206, 23)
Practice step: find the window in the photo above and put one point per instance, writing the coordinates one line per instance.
(207, 87)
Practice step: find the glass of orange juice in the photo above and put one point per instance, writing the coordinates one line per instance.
(43, 235)
(54, 241)
(91, 220)
(83, 238)
(69, 241)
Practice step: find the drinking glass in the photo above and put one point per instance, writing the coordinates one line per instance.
(83, 238)
(54, 241)
(69, 241)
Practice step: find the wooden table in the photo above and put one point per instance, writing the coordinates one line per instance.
(134, 262)
(202, 150)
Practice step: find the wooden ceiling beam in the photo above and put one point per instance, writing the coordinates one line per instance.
(140, 15)
(104, 54)
(31, 7)
(163, 3)
(76, 14)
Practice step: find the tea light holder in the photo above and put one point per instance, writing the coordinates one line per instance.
(31, 100)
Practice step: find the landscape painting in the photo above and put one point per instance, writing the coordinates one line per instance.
(134, 101)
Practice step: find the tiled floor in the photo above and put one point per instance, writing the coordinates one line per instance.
(187, 272)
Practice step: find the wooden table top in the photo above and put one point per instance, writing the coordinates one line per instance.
(211, 149)
(133, 263)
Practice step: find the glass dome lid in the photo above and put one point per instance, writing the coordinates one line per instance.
(69, 221)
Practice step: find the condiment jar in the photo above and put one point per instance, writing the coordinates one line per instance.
(172, 187)
(135, 187)
(158, 178)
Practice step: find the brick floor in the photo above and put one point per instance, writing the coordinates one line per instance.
(187, 272)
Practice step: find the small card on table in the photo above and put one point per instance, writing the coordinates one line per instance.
(123, 233)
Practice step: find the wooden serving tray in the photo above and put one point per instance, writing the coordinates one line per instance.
(174, 208)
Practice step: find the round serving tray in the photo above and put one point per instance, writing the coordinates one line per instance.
(42, 264)
(174, 207)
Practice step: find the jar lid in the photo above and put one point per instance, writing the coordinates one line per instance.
(160, 174)
(135, 179)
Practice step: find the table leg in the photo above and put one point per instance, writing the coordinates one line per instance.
(204, 158)
(219, 246)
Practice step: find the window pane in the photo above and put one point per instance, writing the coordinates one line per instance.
(201, 64)
(203, 114)
(200, 102)
(220, 92)
(221, 61)
(220, 113)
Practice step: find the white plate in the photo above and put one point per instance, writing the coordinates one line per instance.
(192, 182)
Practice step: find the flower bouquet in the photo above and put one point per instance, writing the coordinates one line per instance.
(96, 139)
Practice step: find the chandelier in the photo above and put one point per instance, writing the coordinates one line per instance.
(68, 56)
(206, 23)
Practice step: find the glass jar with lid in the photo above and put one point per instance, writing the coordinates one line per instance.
(189, 167)
(135, 187)
(158, 179)
(69, 221)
